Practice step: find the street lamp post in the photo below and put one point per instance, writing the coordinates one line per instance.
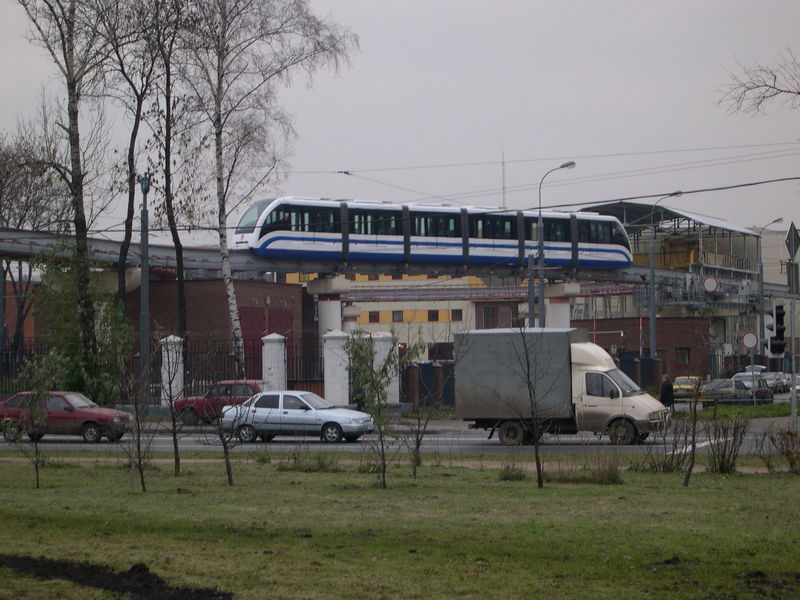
(540, 255)
(762, 342)
(651, 300)
(144, 304)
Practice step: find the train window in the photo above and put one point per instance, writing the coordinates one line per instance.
(531, 229)
(435, 225)
(595, 232)
(280, 219)
(495, 227)
(375, 222)
(324, 220)
(556, 230)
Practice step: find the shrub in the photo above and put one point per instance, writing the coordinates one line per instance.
(787, 443)
(725, 437)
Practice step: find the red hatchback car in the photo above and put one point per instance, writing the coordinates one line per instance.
(208, 408)
(63, 413)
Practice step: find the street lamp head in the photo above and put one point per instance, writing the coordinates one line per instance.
(567, 165)
(144, 181)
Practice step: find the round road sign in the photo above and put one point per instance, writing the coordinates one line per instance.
(749, 340)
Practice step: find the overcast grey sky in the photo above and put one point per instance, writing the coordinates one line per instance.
(441, 90)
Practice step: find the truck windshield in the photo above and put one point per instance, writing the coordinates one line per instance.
(625, 383)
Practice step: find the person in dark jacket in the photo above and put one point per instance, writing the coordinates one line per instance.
(666, 397)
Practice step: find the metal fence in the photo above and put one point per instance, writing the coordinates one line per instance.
(205, 361)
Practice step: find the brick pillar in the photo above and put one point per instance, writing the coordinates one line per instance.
(336, 367)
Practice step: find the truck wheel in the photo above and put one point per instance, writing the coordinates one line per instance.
(621, 432)
(511, 433)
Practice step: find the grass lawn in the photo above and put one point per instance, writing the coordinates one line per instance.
(452, 532)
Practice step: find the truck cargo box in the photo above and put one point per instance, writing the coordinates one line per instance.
(492, 372)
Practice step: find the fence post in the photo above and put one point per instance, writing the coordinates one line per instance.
(273, 361)
(171, 369)
(336, 367)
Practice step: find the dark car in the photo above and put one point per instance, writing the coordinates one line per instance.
(63, 413)
(757, 385)
(207, 408)
(725, 389)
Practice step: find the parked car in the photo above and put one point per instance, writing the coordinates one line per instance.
(757, 385)
(775, 381)
(725, 389)
(69, 413)
(208, 408)
(270, 414)
(684, 387)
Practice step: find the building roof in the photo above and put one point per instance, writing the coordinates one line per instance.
(637, 216)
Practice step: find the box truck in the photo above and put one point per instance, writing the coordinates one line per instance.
(525, 382)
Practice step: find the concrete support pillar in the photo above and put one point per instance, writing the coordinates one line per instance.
(172, 369)
(273, 361)
(350, 316)
(558, 309)
(383, 344)
(328, 291)
(335, 367)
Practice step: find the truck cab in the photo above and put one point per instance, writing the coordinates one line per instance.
(607, 400)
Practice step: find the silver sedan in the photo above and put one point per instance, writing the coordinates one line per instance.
(291, 412)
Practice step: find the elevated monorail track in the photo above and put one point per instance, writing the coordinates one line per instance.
(205, 262)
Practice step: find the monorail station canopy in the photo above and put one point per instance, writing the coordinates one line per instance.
(686, 240)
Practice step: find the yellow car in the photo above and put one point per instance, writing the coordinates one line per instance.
(686, 387)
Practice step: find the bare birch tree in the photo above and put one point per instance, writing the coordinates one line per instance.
(239, 51)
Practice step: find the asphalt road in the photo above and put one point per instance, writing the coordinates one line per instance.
(448, 437)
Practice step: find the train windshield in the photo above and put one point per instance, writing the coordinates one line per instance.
(249, 220)
(618, 236)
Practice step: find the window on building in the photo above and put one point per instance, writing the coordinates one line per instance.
(374, 316)
(682, 356)
(397, 316)
(433, 315)
(456, 314)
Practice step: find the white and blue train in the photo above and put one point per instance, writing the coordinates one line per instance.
(360, 231)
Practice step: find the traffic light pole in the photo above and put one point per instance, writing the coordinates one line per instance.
(793, 389)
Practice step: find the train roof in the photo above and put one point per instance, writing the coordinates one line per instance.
(385, 205)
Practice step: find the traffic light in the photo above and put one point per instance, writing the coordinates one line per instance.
(777, 343)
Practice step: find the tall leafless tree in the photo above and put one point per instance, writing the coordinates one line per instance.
(127, 30)
(67, 30)
(168, 122)
(239, 51)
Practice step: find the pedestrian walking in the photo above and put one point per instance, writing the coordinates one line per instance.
(666, 396)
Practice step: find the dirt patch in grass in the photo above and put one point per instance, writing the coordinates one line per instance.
(137, 581)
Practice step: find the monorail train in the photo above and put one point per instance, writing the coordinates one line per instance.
(321, 229)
